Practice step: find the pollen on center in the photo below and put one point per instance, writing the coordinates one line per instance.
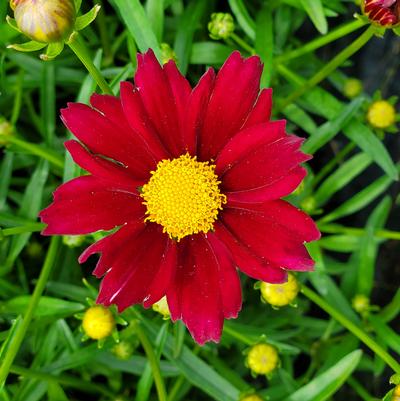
(183, 196)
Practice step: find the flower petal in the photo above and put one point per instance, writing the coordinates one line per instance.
(140, 272)
(275, 231)
(235, 92)
(84, 205)
(261, 112)
(201, 295)
(104, 137)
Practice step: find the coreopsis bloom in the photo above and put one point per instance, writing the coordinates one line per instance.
(385, 13)
(191, 181)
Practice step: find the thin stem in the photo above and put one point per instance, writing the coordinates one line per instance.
(78, 47)
(242, 43)
(333, 162)
(359, 389)
(151, 356)
(358, 232)
(331, 66)
(27, 228)
(233, 333)
(20, 332)
(350, 326)
(65, 380)
(37, 150)
(321, 41)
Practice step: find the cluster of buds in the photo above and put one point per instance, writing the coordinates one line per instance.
(384, 13)
(48, 23)
(221, 26)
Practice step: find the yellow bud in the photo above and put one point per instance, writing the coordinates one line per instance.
(162, 307)
(352, 88)
(45, 20)
(396, 393)
(123, 350)
(381, 114)
(167, 53)
(252, 397)
(360, 303)
(280, 294)
(262, 359)
(73, 241)
(6, 130)
(98, 322)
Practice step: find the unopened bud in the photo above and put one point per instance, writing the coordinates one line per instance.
(221, 26)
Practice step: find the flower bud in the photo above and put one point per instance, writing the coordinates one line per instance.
(162, 307)
(262, 359)
(396, 393)
(167, 53)
(44, 21)
(98, 322)
(384, 13)
(381, 114)
(73, 241)
(6, 130)
(360, 304)
(280, 294)
(221, 26)
(352, 88)
(252, 397)
(123, 350)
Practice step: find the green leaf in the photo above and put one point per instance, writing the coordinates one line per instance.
(55, 392)
(9, 339)
(155, 13)
(264, 43)
(5, 177)
(31, 46)
(330, 129)
(340, 243)
(53, 50)
(86, 19)
(213, 53)
(385, 333)
(138, 25)
(48, 102)
(341, 177)
(243, 18)
(325, 385)
(187, 25)
(300, 118)
(315, 11)
(47, 307)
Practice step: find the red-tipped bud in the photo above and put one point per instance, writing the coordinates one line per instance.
(385, 13)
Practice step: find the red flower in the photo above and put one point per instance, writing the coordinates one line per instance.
(193, 179)
(383, 12)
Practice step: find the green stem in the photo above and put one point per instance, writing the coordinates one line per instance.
(78, 47)
(333, 162)
(350, 326)
(20, 332)
(358, 232)
(359, 389)
(242, 43)
(238, 336)
(151, 356)
(331, 66)
(28, 228)
(37, 150)
(321, 41)
(65, 380)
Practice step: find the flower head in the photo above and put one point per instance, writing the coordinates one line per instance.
(262, 359)
(385, 13)
(221, 26)
(98, 322)
(280, 294)
(191, 179)
(381, 114)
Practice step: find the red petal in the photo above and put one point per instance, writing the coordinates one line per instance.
(248, 262)
(236, 89)
(274, 230)
(104, 137)
(201, 288)
(159, 101)
(115, 175)
(84, 205)
(261, 112)
(141, 271)
(196, 109)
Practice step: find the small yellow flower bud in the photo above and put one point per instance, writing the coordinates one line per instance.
(262, 359)
(45, 21)
(34, 250)
(396, 393)
(73, 241)
(6, 130)
(352, 88)
(221, 26)
(123, 350)
(280, 294)
(98, 322)
(167, 53)
(381, 114)
(308, 204)
(360, 304)
(252, 397)
(162, 307)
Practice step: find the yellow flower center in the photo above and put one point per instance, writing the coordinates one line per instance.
(183, 196)
(98, 322)
(262, 359)
(381, 114)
